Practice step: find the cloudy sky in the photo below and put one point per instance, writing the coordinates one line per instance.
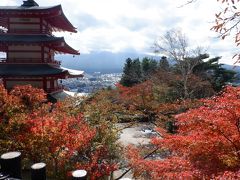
(119, 26)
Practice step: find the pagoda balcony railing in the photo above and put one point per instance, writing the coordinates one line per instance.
(28, 61)
(27, 31)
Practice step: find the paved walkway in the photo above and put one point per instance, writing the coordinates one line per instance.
(138, 134)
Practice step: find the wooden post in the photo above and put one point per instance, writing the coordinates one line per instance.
(11, 164)
(38, 171)
(79, 175)
(3, 176)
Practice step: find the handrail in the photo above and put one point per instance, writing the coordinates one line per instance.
(27, 61)
(28, 31)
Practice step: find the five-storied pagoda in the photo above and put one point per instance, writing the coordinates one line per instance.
(26, 37)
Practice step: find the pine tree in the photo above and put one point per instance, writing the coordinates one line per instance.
(213, 71)
(137, 71)
(132, 73)
(149, 66)
(164, 64)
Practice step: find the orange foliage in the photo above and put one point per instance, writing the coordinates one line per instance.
(206, 145)
(227, 21)
(139, 96)
(49, 133)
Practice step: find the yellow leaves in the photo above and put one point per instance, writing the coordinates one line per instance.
(230, 160)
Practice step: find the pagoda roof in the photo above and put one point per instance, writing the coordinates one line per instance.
(53, 15)
(34, 70)
(73, 73)
(16, 70)
(56, 43)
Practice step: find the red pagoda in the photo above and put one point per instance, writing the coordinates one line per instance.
(26, 38)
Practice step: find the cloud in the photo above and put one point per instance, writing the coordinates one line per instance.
(86, 21)
(117, 26)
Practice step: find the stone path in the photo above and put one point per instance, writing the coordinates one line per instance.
(138, 134)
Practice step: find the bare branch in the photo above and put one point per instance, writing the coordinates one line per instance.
(187, 3)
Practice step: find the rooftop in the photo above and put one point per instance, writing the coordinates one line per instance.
(53, 14)
(56, 43)
(13, 70)
(29, 3)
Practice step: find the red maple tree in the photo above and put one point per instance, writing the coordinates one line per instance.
(206, 145)
(51, 133)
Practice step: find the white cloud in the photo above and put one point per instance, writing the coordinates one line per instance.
(121, 25)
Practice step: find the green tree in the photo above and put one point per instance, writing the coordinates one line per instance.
(132, 73)
(185, 69)
(127, 71)
(213, 71)
(164, 64)
(175, 45)
(137, 71)
(149, 66)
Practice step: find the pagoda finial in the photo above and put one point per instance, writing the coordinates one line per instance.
(29, 3)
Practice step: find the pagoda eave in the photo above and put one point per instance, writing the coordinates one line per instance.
(34, 70)
(58, 76)
(54, 15)
(73, 73)
(35, 11)
(55, 43)
(66, 49)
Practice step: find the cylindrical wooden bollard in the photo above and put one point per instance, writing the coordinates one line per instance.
(11, 164)
(38, 171)
(3, 176)
(79, 175)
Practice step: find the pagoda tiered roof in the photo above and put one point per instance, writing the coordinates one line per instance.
(56, 43)
(26, 37)
(36, 70)
(53, 15)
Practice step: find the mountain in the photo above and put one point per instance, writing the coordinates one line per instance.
(105, 62)
(232, 67)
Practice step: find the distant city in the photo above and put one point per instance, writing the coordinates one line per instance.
(91, 82)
